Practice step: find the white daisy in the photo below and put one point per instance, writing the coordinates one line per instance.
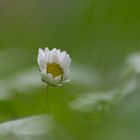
(54, 66)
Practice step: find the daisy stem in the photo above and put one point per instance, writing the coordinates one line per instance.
(47, 99)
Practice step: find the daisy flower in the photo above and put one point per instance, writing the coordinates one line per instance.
(54, 66)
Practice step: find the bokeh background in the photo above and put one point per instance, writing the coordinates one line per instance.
(102, 101)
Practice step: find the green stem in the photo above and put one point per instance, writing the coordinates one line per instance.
(47, 108)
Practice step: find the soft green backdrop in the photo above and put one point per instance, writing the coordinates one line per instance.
(102, 100)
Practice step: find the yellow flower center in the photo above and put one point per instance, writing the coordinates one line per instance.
(54, 69)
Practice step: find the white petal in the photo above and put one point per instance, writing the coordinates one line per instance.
(59, 51)
(54, 49)
(59, 85)
(63, 54)
(41, 59)
(49, 77)
(59, 55)
(67, 80)
(50, 80)
(43, 76)
(46, 54)
(50, 57)
(66, 74)
(65, 62)
(57, 79)
(55, 54)
(54, 81)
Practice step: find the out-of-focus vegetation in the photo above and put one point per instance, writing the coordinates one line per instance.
(102, 100)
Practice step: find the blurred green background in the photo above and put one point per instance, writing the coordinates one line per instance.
(102, 37)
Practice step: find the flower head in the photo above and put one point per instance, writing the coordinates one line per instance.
(54, 66)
